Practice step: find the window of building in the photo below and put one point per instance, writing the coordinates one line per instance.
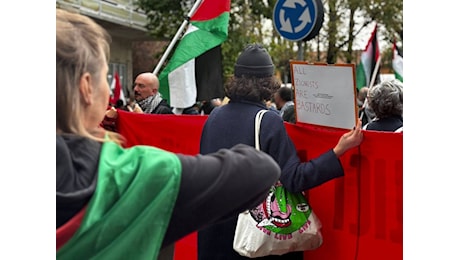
(122, 73)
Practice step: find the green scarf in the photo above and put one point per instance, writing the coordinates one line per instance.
(129, 213)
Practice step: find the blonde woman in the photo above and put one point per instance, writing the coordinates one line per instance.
(117, 203)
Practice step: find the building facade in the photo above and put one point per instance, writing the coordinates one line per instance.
(126, 25)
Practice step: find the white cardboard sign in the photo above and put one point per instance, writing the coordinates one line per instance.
(325, 94)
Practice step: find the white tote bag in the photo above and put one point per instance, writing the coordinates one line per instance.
(283, 223)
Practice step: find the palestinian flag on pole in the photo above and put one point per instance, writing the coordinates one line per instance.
(368, 62)
(397, 62)
(208, 28)
(116, 90)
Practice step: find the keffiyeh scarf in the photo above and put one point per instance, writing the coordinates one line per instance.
(149, 104)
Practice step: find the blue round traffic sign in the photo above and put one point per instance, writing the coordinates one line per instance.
(298, 19)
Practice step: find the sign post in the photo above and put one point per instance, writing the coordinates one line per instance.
(298, 20)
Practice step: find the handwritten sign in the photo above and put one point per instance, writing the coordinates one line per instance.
(325, 94)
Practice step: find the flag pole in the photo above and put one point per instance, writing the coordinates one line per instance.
(178, 34)
(371, 83)
(374, 73)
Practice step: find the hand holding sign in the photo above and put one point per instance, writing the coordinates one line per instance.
(349, 140)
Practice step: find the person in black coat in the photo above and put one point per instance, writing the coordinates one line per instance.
(386, 100)
(147, 95)
(253, 83)
(284, 102)
(147, 100)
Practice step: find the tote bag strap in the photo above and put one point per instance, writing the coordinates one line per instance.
(258, 120)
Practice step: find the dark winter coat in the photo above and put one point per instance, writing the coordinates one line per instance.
(234, 123)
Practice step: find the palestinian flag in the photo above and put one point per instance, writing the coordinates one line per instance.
(369, 58)
(397, 62)
(116, 90)
(128, 214)
(195, 68)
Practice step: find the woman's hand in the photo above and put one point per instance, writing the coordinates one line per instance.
(137, 109)
(349, 140)
(111, 113)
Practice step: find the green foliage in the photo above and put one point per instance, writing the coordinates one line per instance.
(247, 17)
(165, 17)
(388, 13)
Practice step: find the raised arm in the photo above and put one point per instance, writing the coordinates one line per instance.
(220, 185)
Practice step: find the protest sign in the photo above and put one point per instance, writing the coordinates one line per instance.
(325, 94)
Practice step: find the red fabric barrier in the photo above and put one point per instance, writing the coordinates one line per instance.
(178, 134)
(361, 213)
(366, 201)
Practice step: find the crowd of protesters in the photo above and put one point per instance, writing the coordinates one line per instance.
(138, 201)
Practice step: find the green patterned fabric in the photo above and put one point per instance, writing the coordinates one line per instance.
(129, 213)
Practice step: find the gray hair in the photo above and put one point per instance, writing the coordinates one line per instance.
(386, 98)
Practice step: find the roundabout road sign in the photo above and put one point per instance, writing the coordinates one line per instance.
(298, 19)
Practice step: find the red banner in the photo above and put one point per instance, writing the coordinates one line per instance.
(361, 213)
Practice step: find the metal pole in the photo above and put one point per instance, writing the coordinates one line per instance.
(374, 73)
(300, 50)
(371, 83)
(178, 34)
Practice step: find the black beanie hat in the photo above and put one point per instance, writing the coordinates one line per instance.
(254, 61)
